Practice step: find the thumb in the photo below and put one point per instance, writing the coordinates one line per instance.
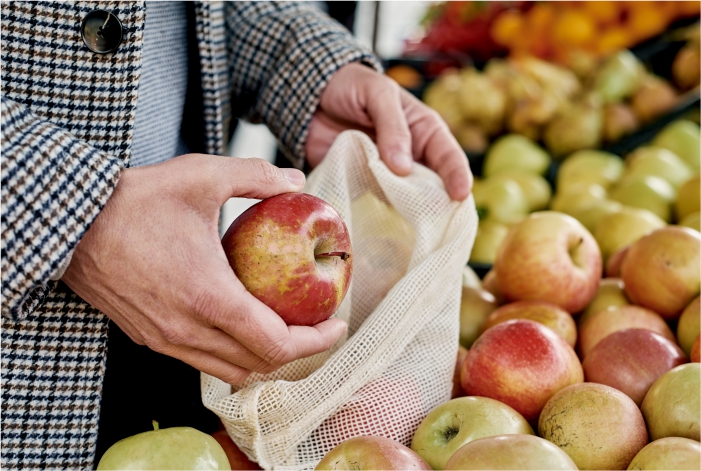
(257, 178)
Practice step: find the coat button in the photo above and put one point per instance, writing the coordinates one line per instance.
(101, 31)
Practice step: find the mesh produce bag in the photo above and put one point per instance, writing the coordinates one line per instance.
(396, 361)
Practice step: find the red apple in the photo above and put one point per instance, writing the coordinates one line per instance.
(672, 406)
(292, 252)
(459, 421)
(631, 360)
(510, 452)
(613, 264)
(695, 355)
(521, 363)
(603, 323)
(237, 458)
(662, 270)
(669, 453)
(549, 257)
(549, 315)
(599, 427)
(457, 387)
(370, 453)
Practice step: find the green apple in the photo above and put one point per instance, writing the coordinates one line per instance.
(515, 153)
(688, 198)
(462, 420)
(689, 325)
(501, 200)
(617, 230)
(168, 448)
(672, 405)
(475, 305)
(684, 139)
(590, 214)
(590, 166)
(489, 236)
(647, 192)
(577, 197)
(535, 187)
(515, 451)
(692, 221)
(609, 294)
(658, 162)
(670, 453)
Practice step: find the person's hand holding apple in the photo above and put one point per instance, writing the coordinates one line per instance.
(152, 261)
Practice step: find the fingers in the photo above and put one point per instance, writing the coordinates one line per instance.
(384, 107)
(254, 178)
(435, 145)
(260, 330)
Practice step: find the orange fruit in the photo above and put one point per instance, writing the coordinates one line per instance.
(574, 28)
(688, 8)
(603, 12)
(507, 28)
(540, 17)
(645, 20)
(612, 40)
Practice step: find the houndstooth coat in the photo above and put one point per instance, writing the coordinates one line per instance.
(67, 123)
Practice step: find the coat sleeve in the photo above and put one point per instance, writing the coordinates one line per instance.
(281, 56)
(53, 187)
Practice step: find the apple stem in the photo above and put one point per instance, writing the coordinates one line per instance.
(155, 424)
(344, 255)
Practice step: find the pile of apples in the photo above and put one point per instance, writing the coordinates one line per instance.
(559, 368)
(617, 200)
(565, 109)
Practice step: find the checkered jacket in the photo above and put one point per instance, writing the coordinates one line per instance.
(67, 124)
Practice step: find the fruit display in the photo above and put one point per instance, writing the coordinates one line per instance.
(618, 199)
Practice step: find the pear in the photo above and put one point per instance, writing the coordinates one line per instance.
(619, 77)
(590, 166)
(647, 192)
(659, 162)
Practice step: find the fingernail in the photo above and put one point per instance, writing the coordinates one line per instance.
(403, 161)
(294, 176)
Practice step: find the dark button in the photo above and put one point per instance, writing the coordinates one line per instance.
(101, 31)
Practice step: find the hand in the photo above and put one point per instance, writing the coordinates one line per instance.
(405, 129)
(152, 261)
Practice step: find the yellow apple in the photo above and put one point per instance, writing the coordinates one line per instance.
(490, 235)
(688, 198)
(475, 305)
(535, 187)
(615, 231)
(647, 192)
(683, 138)
(610, 293)
(692, 221)
(590, 166)
(502, 201)
(576, 197)
(689, 326)
(515, 153)
(590, 214)
(658, 162)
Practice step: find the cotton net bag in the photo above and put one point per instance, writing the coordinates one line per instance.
(397, 359)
